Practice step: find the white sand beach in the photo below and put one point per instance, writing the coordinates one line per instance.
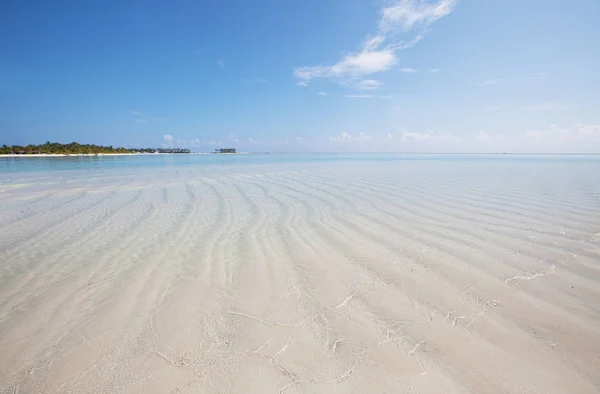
(341, 277)
(34, 155)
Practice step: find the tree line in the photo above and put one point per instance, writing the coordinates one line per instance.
(75, 148)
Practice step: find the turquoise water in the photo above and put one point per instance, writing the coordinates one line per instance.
(44, 164)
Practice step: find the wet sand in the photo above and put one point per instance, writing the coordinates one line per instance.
(367, 277)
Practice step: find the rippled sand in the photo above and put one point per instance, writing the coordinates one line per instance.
(341, 277)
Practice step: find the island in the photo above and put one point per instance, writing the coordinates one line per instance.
(74, 148)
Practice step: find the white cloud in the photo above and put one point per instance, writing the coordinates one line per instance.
(323, 94)
(365, 63)
(490, 82)
(168, 140)
(581, 133)
(343, 136)
(378, 52)
(346, 137)
(492, 108)
(546, 107)
(408, 70)
(354, 65)
(410, 43)
(400, 141)
(405, 15)
(371, 43)
(434, 70)
(413, 136)
(578, 138)
(369, 84)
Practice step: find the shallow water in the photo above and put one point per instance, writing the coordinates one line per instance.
(300, 273)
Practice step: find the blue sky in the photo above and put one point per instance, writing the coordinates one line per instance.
(303, 75)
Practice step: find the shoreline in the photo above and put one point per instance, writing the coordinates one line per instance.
(86, 154)
(27, 155)
(114, 154)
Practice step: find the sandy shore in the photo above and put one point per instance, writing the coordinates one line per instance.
(77, 155)
(410, 277)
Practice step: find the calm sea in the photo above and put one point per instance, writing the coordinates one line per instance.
(11, 165)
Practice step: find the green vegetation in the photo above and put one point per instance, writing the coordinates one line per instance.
(226, 150)
(79, 149)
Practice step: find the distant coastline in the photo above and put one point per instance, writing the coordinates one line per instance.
(74, 154)
(55, 149)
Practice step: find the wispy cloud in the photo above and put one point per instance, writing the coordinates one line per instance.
(490, 82)
(378, 52)
(408, 70)
(411, 136)
(323, 94)
(221, 63)
(434, 70)
(404, 15)
(353, 65)
(369, 84)
(546, 107)
(346, 137)
(492, 108)
(167, 140)
(578, 138)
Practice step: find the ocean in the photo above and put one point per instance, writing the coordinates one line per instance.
(322, 273)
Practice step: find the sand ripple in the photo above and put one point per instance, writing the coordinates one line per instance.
(368, 277)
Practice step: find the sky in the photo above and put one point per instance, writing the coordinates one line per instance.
(303, 75)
